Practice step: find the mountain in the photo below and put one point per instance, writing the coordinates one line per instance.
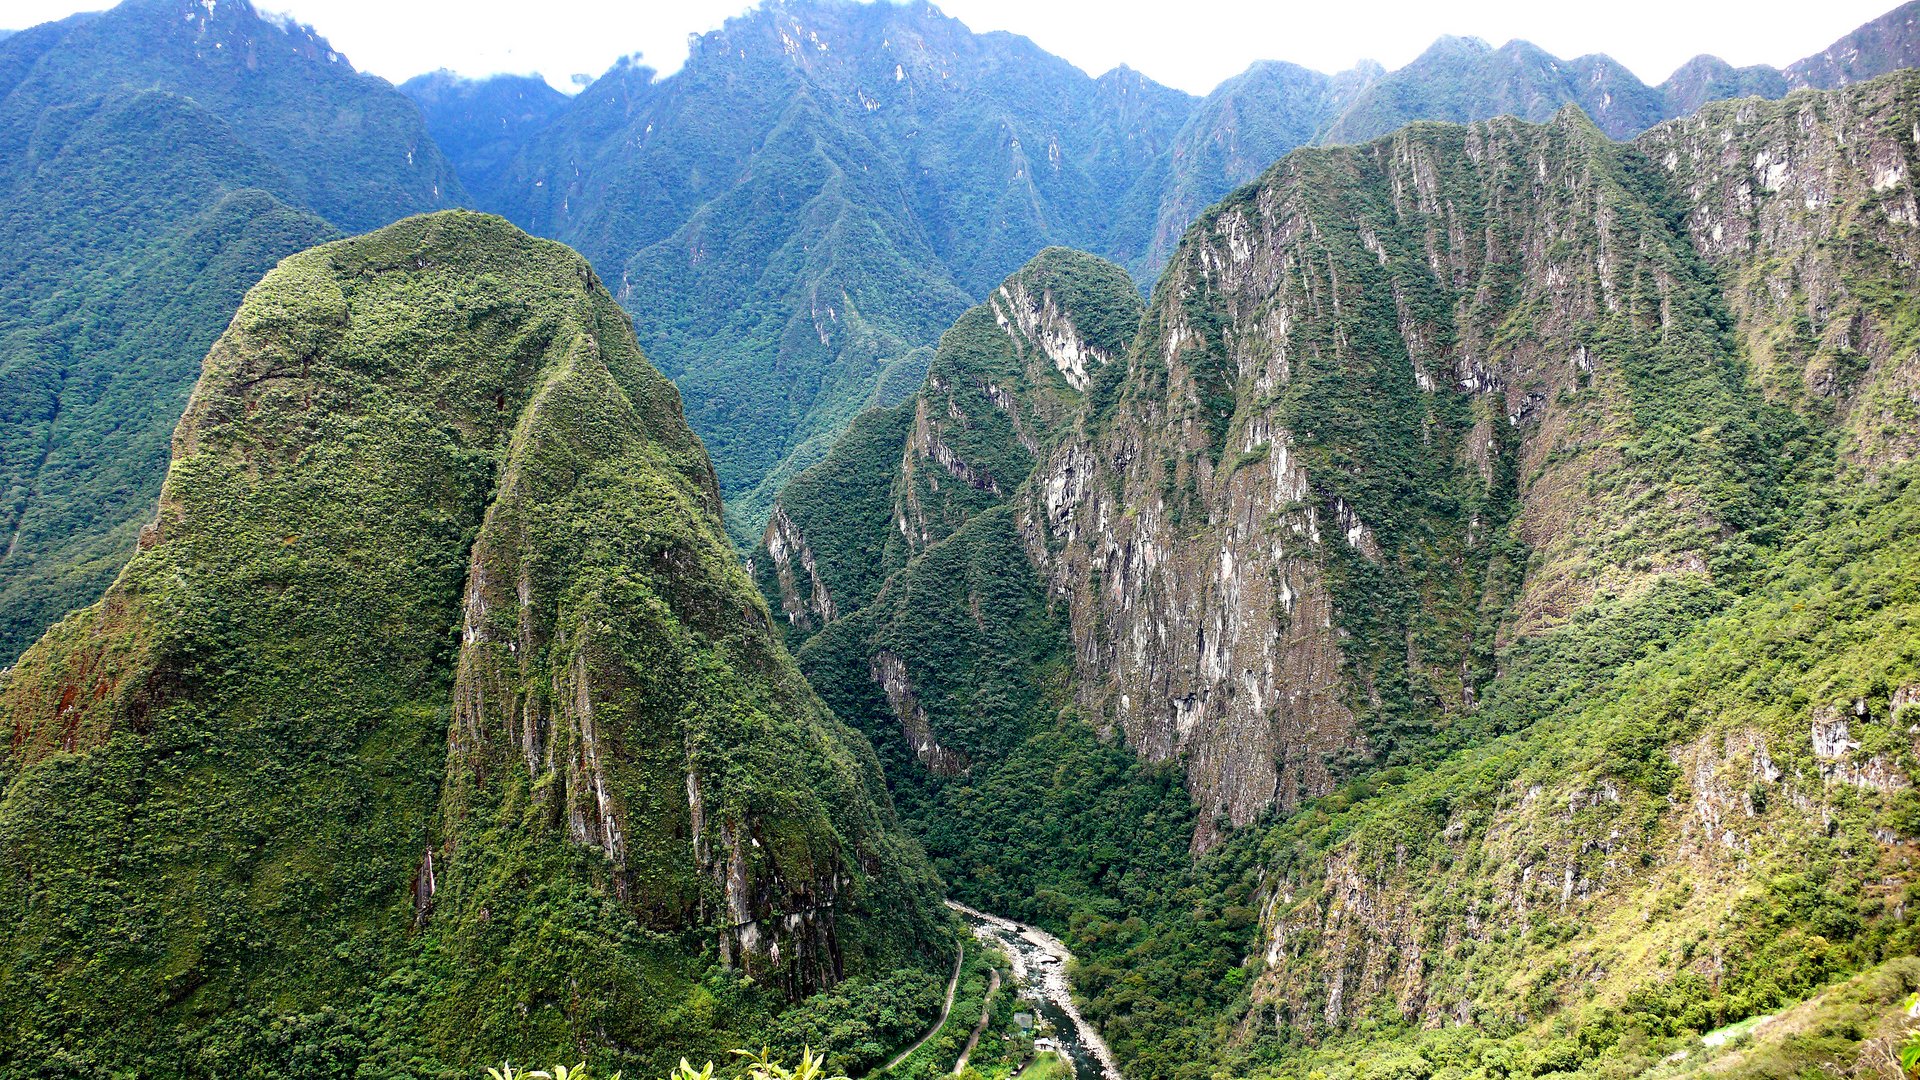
(894, 166)
(797, 213)
(480, 124)
(1501, 536)
(157, 159)
(1246, 124)
(1709, 78)
(434, 719)
(1888, 43)
(1463, 79)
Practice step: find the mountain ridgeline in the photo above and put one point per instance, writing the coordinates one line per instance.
(797, 214)
(1499, 534)
(794, 217)
(487, 743)
(1458, 625)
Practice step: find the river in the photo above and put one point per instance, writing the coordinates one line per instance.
(1039, 963)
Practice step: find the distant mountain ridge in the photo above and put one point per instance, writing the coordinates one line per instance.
(883, 199)
(825, 184)
(1888, 43)
(481, 125)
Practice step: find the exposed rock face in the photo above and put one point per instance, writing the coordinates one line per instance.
(806, 603)
(1467, 310)
(1427, 896)
(358, 471)
(1767, 185)
(1039, 320)
(890, 674)
(1006, 379)
(1886, 44)
(1220, 653)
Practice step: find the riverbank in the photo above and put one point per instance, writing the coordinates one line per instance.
(1039, 961)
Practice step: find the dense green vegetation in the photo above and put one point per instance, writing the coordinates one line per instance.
(1464, 79)
(1827, 620)
(994, 1056)
(863, 514)
(480, 124)
(1594, 621)
(794, 226)
(888, 179)
(153, 167)
(435, 716)
(798, 213)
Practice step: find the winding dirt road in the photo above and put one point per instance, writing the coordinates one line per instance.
(979, 1029)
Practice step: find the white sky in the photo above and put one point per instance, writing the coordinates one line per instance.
(1191, 44)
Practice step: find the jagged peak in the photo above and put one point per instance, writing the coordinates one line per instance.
(1364, 68)
(1572, 119)
(1097, 297)
(1704, 62)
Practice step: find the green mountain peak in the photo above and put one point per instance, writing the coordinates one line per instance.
(439, 638)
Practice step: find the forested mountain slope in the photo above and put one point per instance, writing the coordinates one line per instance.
(434, 712)
(1496, 527)
(799, 211)
(154, 161)
(1888, 43)
(480, 124)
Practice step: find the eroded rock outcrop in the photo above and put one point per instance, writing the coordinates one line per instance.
(1766, 187)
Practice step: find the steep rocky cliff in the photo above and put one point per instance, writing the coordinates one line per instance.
(1807, 206)
(436, 646)
(1006, 380)
(1487, 506)
(1390, 406)
(1716, 821)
